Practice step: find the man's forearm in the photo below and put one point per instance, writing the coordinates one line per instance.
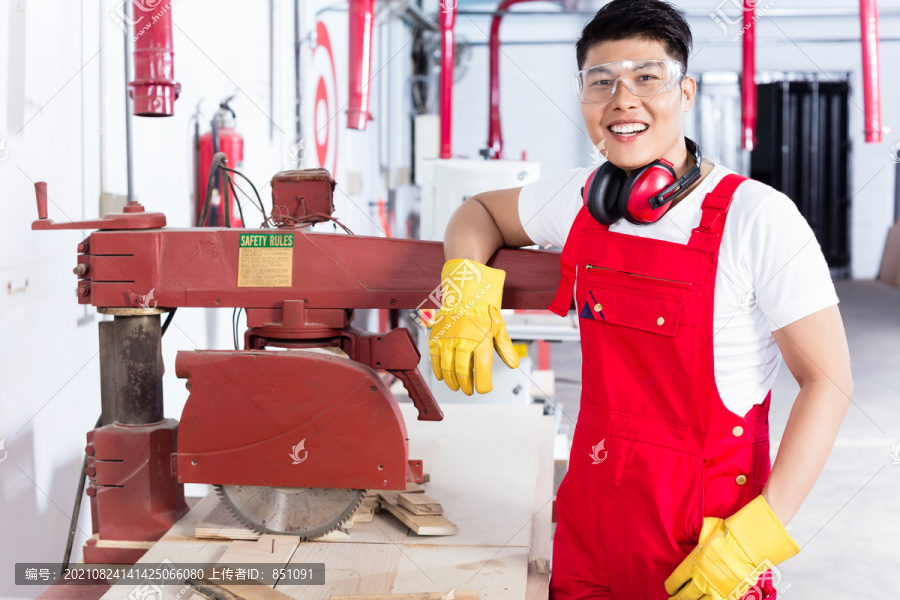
(472, 233)
(808, 438)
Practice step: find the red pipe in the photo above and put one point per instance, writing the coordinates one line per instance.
(448, 20)
(495, 136)
(748, 77)
(868, 16)
(361, 15)
(154, 88)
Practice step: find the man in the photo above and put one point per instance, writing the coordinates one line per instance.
(684, 318)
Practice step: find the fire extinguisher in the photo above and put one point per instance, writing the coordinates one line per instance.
(222, 137)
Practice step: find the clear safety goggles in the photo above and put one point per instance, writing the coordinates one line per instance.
(643, 78)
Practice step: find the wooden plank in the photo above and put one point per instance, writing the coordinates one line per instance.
(184, 528)
(421, 524)
(384, 528)
(267, 549)
(208, 587)
(539, 554)
(363, 516)
(350, 568)
(165, 553)
(420, 504)
(270, 550)
(120, 543)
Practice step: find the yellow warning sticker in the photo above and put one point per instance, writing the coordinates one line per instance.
(265, 259)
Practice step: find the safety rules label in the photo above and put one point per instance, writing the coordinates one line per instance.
(265, 259)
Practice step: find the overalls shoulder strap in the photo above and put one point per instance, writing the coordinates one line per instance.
(568, 259)
(714, 207)
(704, 236)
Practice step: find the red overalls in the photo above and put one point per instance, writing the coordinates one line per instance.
(654, 450)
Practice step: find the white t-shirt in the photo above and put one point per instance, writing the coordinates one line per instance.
(771, 270)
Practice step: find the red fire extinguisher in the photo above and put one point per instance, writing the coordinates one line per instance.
(222, 137)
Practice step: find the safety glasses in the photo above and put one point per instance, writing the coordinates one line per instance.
(643, 78)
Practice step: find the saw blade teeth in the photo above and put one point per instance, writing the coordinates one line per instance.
(314, 532)
(223, 498)
(314, 536)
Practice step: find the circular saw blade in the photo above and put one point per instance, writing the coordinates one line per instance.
(305, 512)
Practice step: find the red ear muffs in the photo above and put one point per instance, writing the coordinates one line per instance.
(642, 197)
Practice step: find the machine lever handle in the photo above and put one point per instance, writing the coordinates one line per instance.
(40, 191)
(419, 393)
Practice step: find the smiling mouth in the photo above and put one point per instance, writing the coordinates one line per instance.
(629, 129)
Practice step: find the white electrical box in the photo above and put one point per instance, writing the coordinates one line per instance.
(448, 183)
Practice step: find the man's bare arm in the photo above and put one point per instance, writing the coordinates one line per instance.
(483, 223)
(815, 350)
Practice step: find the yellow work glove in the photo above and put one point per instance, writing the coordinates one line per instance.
(731, 554)
(468, 326)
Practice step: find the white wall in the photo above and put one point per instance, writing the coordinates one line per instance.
(58, 120)
(540, 114)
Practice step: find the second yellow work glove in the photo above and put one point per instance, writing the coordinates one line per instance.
(731, 554)
(468, 326)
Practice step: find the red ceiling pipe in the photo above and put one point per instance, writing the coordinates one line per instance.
(748, 77)
(448, 20)
(868, 16)
(495, 136)
(154, 89)
(361, 15)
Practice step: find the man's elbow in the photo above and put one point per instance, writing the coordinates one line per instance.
(839, 384)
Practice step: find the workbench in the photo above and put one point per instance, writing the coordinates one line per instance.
(491, 468)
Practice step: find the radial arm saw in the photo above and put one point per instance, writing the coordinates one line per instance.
(290, 437)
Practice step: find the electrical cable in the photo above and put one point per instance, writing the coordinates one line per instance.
(227, 193)
(165, 325)
(311, 218)
(218, 159)
(73, 523)
(235, 320)
(234, 187)
(247, 179)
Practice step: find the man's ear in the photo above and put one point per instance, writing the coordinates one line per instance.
(688, 91)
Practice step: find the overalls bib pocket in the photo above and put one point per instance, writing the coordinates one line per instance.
(619, 313)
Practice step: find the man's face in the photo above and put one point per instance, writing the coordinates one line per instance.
(660, 114)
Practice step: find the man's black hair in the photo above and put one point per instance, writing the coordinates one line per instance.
(652, 20)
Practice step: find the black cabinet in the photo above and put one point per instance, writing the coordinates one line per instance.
(803, 149)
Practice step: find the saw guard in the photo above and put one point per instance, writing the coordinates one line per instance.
(289, 418)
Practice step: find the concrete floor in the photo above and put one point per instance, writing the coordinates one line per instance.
(849, 526)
